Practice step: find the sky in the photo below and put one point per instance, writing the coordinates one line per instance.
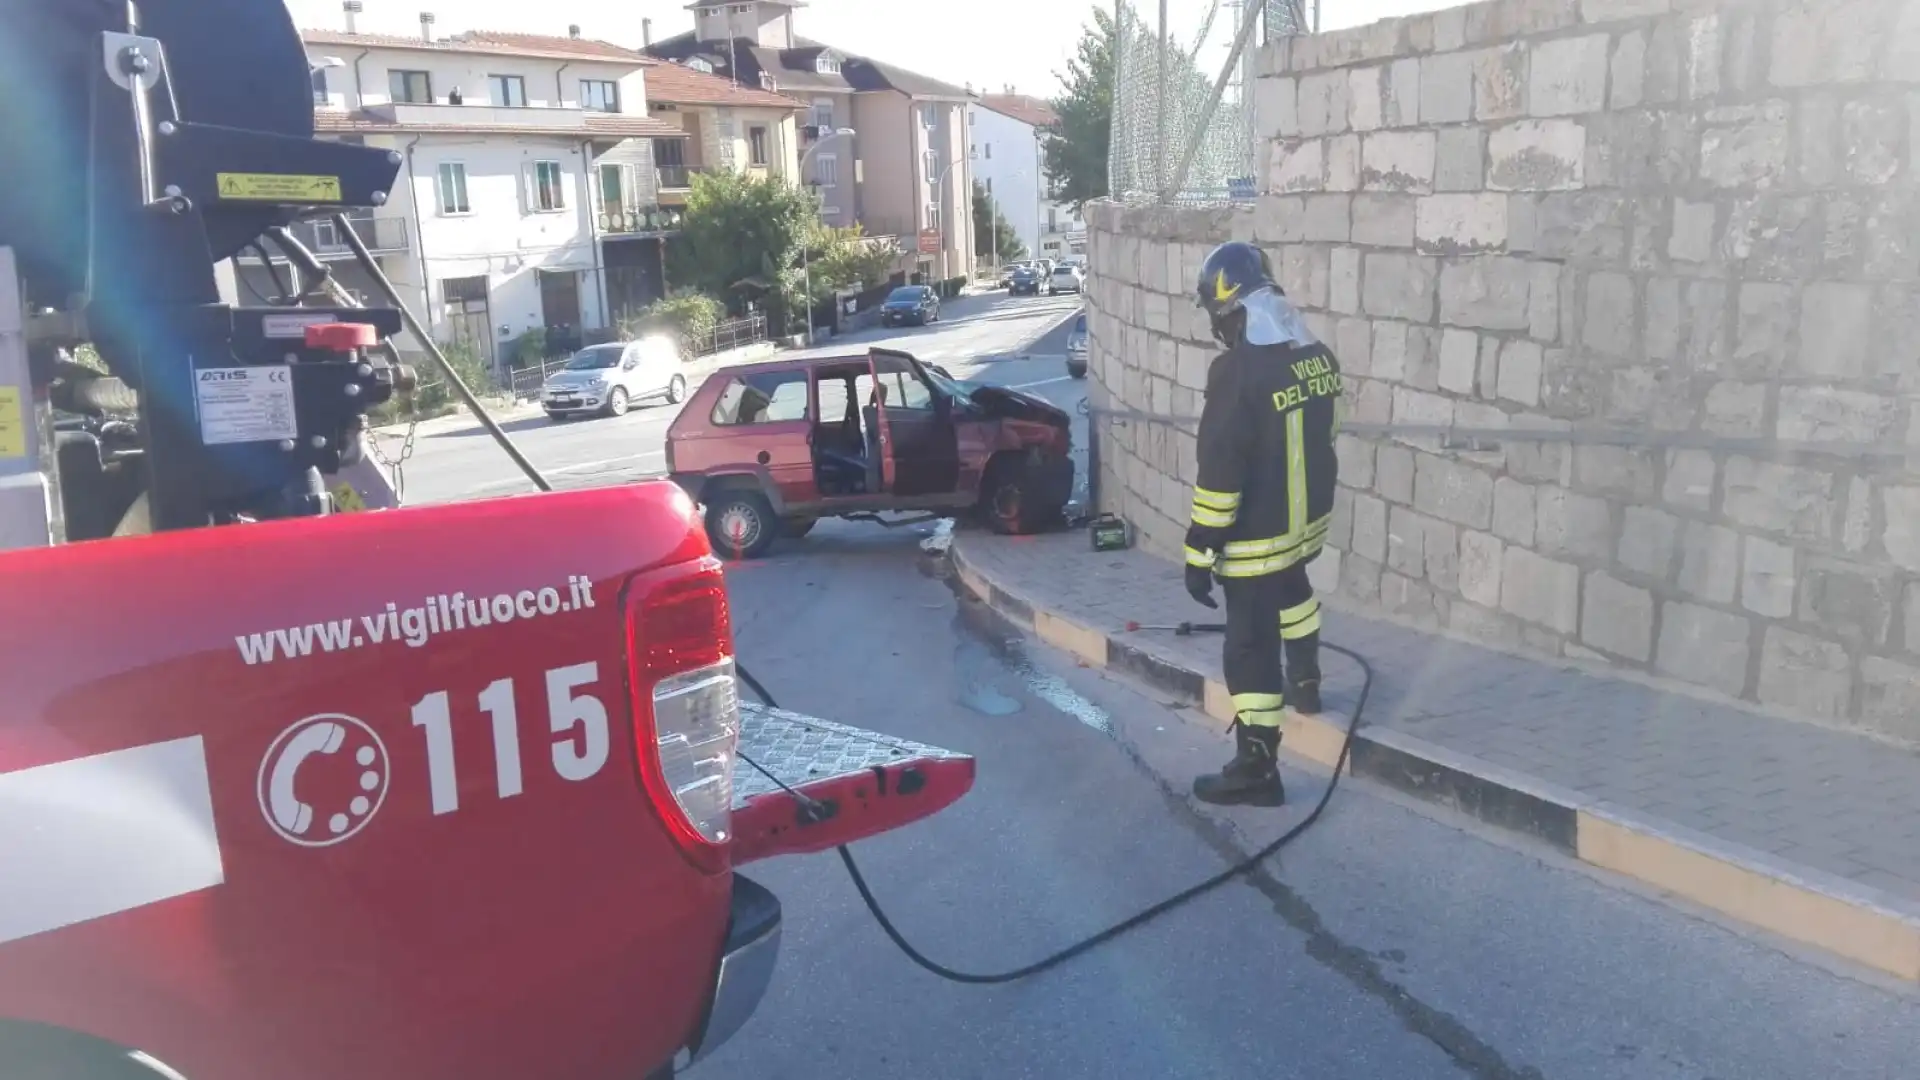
(986, 43)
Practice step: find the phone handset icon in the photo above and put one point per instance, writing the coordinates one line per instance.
(293, 815)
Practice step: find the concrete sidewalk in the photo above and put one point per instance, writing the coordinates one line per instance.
(1807, 832)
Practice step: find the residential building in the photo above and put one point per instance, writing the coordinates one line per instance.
(1006, 132)
(527, 181)
(1059, 232)
(727, 126)
(904, 172)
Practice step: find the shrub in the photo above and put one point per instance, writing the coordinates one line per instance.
(691, 316)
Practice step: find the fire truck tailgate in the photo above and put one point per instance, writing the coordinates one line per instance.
(869, 783)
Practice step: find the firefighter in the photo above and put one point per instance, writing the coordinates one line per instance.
(1261, 505)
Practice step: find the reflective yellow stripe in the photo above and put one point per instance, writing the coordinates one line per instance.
(1339, 413)
(1257, 702)
(1223, 501)
(1297, 471)
(1212, 519)
(1196, 557)
(1300, 620)
(1241, 568)
(1262, 717)
(1275, 545)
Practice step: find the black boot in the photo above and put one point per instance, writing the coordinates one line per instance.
(1303, 675)
(1252, 777)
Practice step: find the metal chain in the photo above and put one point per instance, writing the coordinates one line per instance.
(395, 466)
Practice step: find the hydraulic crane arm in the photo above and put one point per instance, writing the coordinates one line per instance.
(158, 138)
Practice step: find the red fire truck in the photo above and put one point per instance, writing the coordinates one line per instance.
(293, 793)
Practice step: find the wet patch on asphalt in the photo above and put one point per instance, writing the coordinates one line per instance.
(995, 656)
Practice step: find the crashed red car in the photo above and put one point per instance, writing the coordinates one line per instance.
(768, 449)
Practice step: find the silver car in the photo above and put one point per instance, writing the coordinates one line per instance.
(1077, 347)
(606, 380)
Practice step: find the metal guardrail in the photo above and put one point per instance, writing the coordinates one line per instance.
(1465, 439)
(525, 383)
(678, 177)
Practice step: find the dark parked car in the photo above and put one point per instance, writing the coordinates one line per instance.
(1025, 281)
(910, 305)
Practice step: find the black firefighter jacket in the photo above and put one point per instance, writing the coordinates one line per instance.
(1264, 494)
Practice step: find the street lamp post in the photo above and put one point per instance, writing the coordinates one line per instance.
(806, 264)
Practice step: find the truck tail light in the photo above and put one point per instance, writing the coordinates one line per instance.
(686, 709)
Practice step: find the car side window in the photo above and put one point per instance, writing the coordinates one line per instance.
(762, 398)
(833, 391)
(904, 388)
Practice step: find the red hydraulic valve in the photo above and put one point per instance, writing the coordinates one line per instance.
(342, 337)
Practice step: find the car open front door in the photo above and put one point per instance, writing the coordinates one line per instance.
(861, 783)
(918, 440)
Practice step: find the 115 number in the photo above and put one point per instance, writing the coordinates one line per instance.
(577, 719)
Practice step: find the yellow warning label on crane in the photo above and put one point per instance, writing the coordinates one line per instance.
(13, 424)
(278, 187)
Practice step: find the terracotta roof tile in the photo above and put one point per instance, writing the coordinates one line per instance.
(485, 43)
(673, 84)
(1027, 110)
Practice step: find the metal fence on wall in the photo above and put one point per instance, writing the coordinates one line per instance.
(1182, 95)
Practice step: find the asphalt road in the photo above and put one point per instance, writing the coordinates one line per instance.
(1386, 942)
(977, 336)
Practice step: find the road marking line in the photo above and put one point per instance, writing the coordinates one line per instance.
(1042, 382)
(99, 835)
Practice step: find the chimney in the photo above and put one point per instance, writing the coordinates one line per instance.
(426, 26)
(352, 8)
(574, 31)
(646, 33)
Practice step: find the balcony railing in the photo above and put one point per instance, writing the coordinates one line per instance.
(628, 222)
(382, 235)
(678, 177)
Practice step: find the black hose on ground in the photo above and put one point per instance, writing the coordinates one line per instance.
(1092, 941)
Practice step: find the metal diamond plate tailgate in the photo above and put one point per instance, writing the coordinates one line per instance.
(868, 782)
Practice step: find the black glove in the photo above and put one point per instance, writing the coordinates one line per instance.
(1200, 585)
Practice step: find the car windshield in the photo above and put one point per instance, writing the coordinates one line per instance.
(1080, 324)
(944, 383)
(598, 358)
(904, 294)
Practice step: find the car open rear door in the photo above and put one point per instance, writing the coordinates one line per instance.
(863, 782)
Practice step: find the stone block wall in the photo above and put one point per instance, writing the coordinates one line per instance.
(1684, 217)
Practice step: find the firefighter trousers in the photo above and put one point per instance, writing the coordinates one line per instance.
(1264, 615)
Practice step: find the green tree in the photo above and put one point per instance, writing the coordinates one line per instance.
(1075, 151)
(993, 234)
(848, 259)
(737, 230)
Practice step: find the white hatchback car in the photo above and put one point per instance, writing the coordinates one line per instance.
(1067, 277)
(607, 379)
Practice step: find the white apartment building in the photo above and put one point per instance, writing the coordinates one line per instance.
(1058, 231)
(1004, 136)
(527, 171)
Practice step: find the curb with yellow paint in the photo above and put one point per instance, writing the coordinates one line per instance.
(1855, 922)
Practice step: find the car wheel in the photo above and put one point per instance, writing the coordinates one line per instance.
(617, 402)
(794, 528)
(677, 390)
(740, 524)
(1077, 371)
(1008, 505)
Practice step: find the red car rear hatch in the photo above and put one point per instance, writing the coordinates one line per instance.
(866, 783)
